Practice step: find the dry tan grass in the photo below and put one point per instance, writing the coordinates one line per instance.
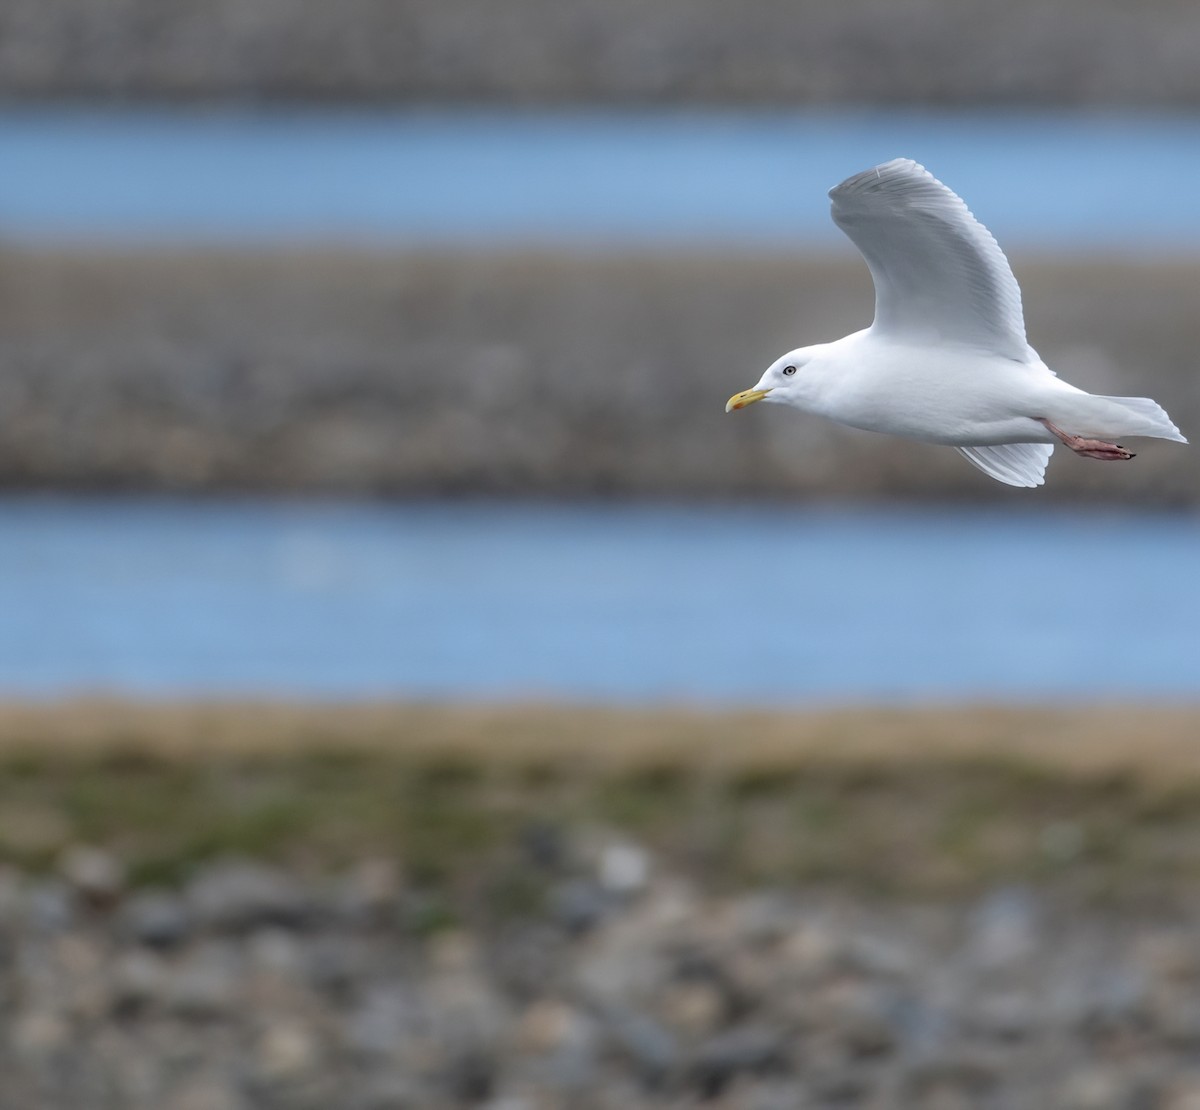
(1099, 803)
(1155, 743)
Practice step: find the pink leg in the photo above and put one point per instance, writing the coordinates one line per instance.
(1090, 448)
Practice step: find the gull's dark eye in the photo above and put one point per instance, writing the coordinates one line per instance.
(789, 370)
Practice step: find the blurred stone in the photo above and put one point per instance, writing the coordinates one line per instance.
(96, 874)
(749, 1048)
(623, 868)
(579, 904)
(960, 1073)
(1114, 1001)
(37, 1033)
(1176, 1015)
(548, 1025)
(1003, 929)
(544, 845)
(278, 951)
(238, 895)
(650, 1048)
(875, 955)
(12, 897)
(453, 950)
(381, 1022)
(370, 891)
(765, 917)
(50, 905)
(860, 1015)
(206, 985)
(772, 1094)
(1182, 1093)
(207, 1092)
(336, 964)
(525, 959)
(811, 948)
(470, 1074)
(1168, 956)
(286, 1050)
(693, 1008)
(1007, 1015)
(1091, 1088)
(389, 1091)
(138, 979)
(620, 965)
(157, 918)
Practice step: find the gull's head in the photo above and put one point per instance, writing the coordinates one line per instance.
(789, 380)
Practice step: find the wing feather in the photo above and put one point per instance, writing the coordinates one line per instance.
(938, 273)
(1014, 464)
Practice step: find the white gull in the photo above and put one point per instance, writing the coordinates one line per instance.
(946, 359)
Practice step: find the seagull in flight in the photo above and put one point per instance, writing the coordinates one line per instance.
(946, 359)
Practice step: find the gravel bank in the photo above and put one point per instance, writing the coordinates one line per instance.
(544, 374)
(252, 987)
(238, 907)
(616, 51)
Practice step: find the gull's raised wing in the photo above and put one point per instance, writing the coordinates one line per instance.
(938, 272)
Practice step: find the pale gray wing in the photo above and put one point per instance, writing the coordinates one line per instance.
(938, 273)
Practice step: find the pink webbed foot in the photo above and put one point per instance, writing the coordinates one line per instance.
(1090, 448)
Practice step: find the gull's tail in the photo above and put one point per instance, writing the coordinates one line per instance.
(1145, 418)
(1086, 414)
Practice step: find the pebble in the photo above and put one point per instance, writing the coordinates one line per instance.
(39, 1032)
(1091, 1088)
(1003, 929)
(206, 985)
(861, 1016)
(1176, 1016)
(623, 868)
(98, 876)
(547, 1026)
(579, 905)
(964, 1073)
(1007, 1015)
(157, 918)
(370, 892)
(50, 906)
(384, 1019)
(239, 894)
(694, 1009)
(138, 979)
(285, 1051)
(1182, 1094)
(721, 1059)
(207, 1092)
(648, 1046)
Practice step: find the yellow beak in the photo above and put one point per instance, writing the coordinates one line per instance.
(746, 397)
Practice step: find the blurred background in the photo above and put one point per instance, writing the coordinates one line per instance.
(417, 692)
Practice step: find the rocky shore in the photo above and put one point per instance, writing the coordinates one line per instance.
(520, 373)
(252, 987)
(411, 907)
(1017, 52)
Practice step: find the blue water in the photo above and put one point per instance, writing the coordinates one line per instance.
(1037, 179)
(625, 603)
